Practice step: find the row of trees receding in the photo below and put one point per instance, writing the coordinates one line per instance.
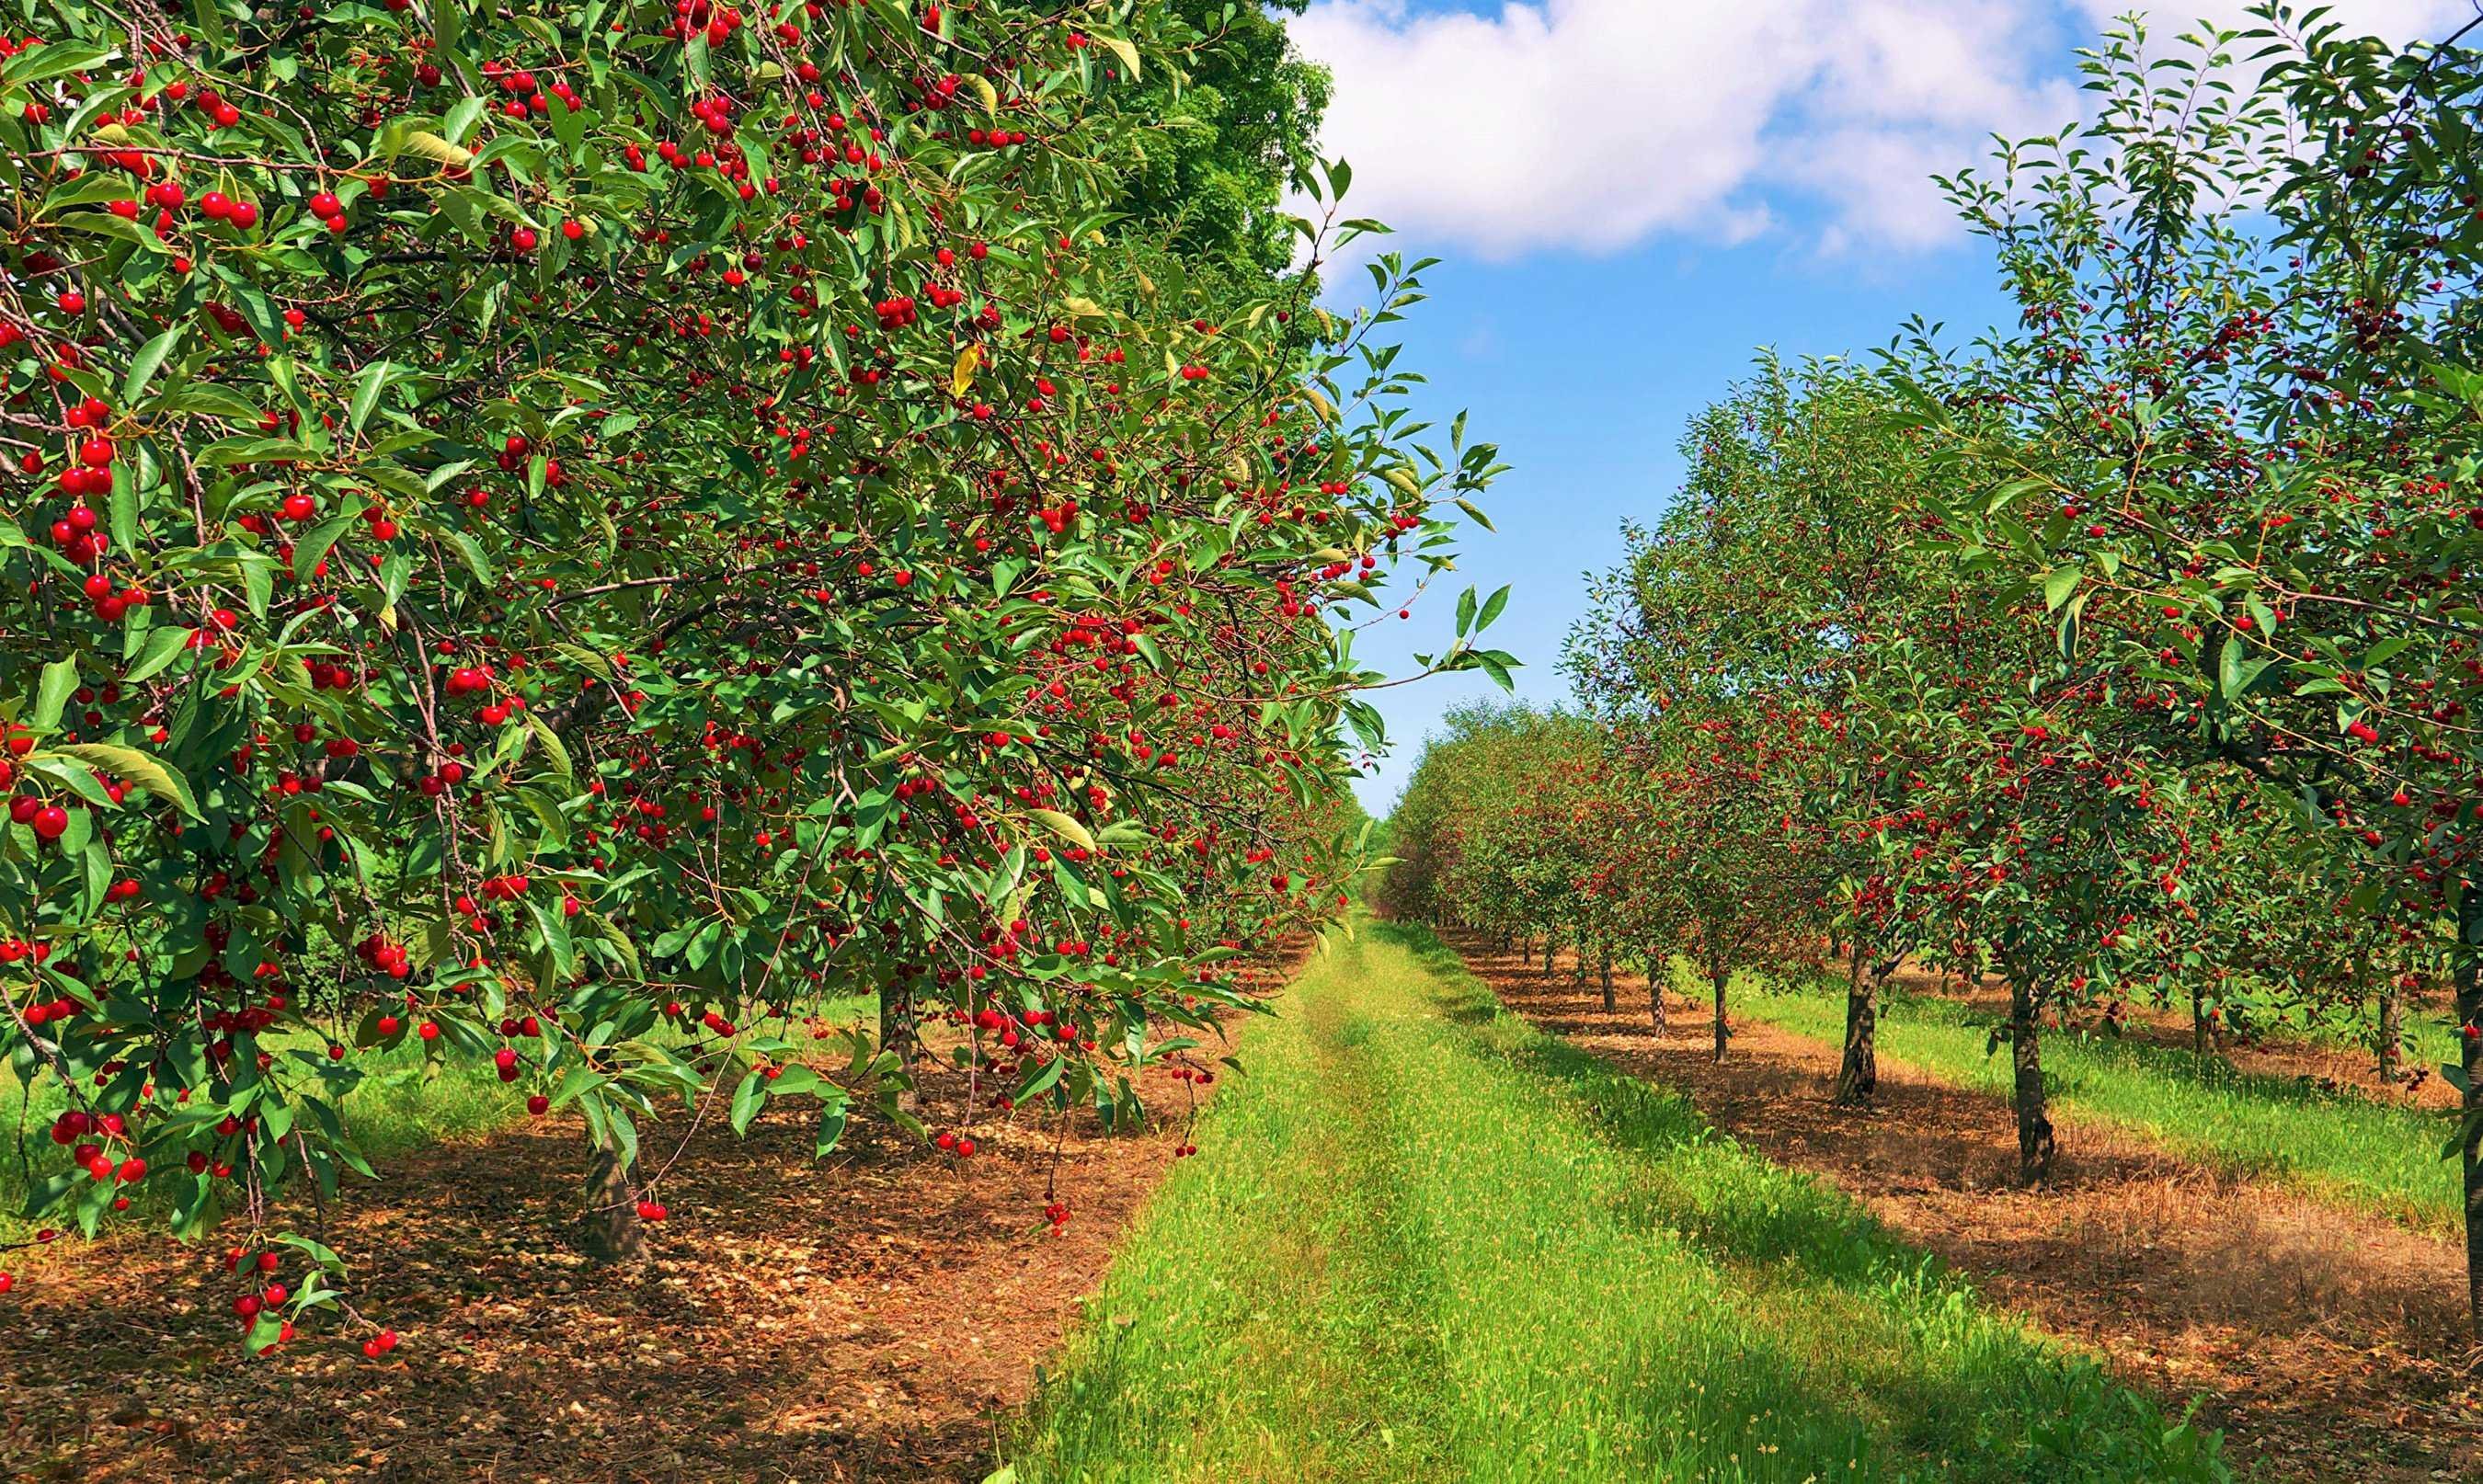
(567, 537)
(2132, 653)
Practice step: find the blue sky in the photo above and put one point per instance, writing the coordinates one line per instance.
(1632, 199)
(1584, 370)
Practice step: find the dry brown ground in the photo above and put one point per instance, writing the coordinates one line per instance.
(867, 1317)
(2328, 1345)
(2331, 1065)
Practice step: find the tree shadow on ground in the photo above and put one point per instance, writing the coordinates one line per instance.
(863, 1317)
(2327, 1344)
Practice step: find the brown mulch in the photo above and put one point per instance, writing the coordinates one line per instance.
(870, 1316)
(2328, 1345)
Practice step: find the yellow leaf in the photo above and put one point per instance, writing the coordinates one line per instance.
(1128, 54)
(962, 376)
(1085, 309)
(1404, 479)
(133, 766)
(431, 147)
(1066, 828)
(1318, 399)
(989, 95)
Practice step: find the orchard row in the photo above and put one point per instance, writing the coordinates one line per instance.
(2132, 653)
(566, 536)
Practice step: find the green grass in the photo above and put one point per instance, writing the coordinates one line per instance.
(2342, 1146)
(1427, 1241)
(396, 1109)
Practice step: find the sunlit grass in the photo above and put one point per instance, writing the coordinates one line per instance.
(1427, 1241)
(2344, 1145)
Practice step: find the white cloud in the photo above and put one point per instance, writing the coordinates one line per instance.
(2399, 20)
(1593, 124)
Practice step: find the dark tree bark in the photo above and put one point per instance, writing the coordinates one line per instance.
(1717, 974)
(2203, 1025)
(899, 1033)
(1604, 964)
(613, 1234)
(1551, 948)
(2035, 1144)
(1858, 1075)
(2391, 1032)
(2467, 974)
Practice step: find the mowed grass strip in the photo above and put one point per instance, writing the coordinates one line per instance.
(2344, 1145)
(1425, 1241)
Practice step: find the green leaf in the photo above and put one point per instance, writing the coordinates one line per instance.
(2234, 673)
(144, 365)
(832, 1127)
(210, 19)
(374, 378)
(59, 678)
(746, 1097)
(42, 64)
(1038, 1081)
(316, 542)
(124, 507)
(163, 646)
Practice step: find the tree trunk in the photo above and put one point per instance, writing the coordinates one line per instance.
(2391, 1036)
(2467, 974)
(899, 1033)
(1551, 947)
(2035, 1146)
(1717, 974)
(614, 1234)
(2202, 1026)
(1604, 964)
(1857, 1076)
(1655, 979)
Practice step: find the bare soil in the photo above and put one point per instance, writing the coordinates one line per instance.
(2326, 1344)
(2329, 1066)
(872, 1316)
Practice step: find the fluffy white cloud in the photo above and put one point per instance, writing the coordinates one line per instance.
(1592, 124)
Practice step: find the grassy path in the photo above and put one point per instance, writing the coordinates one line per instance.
(1427, 1241)
(2382, 1158)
